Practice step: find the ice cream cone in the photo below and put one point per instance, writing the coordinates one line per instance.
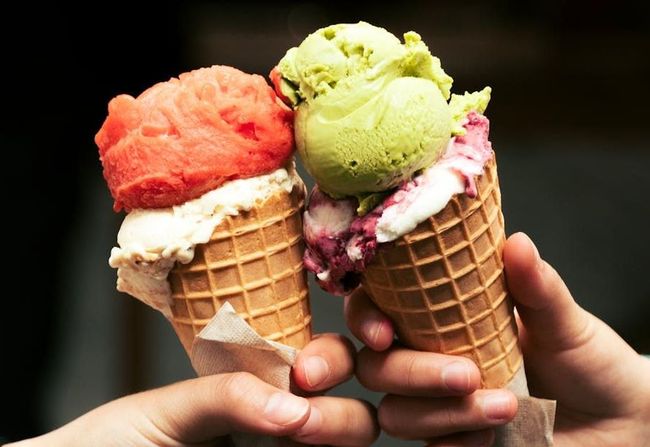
(254, 262)
(444, 287)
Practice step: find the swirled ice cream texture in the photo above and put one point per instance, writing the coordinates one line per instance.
(340, 243)
(151, 241)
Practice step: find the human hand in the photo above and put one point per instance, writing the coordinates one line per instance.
(599, 382)
(203, 411)
(429, 396)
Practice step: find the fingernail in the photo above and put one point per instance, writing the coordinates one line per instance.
(496, 406)
(372, 329)
(316, 370)
(455, 376)
(312, 425)
(483, 438)
(285, 408)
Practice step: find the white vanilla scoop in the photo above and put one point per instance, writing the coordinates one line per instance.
(151, 241)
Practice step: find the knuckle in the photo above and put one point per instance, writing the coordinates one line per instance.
(236, 386)
(349, 418)
(449, 420)
(412, 370)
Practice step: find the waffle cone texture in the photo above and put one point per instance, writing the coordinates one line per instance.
(254, 262)
(444, 287)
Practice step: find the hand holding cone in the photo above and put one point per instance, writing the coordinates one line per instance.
(444, 287)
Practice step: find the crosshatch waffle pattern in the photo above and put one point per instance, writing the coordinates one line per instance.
(254, 262)
(444, 287)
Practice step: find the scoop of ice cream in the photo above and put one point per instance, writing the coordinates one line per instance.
(184, 137)
(152, 241)
(370, 111)
(340, 243)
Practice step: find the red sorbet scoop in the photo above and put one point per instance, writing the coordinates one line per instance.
(184, 137)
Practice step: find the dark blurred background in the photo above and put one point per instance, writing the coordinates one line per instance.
(569, 124)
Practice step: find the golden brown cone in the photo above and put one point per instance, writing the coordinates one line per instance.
(444, 287)
(254, 262)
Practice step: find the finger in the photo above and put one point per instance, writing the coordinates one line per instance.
(569, 352)
(326, 361)
(479, 438)
(366, 322)
(552, 319)
(416, 373)
(339, 421)
(202, 409)
(422, 418)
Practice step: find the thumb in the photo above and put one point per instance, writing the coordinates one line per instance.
(194, 412)
(550, 316)
(198, 410)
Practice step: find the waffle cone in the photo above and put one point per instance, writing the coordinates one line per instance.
(254, 262)
(444, 287)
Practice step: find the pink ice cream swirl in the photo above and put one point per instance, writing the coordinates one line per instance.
(467, 154)
(340, 243)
